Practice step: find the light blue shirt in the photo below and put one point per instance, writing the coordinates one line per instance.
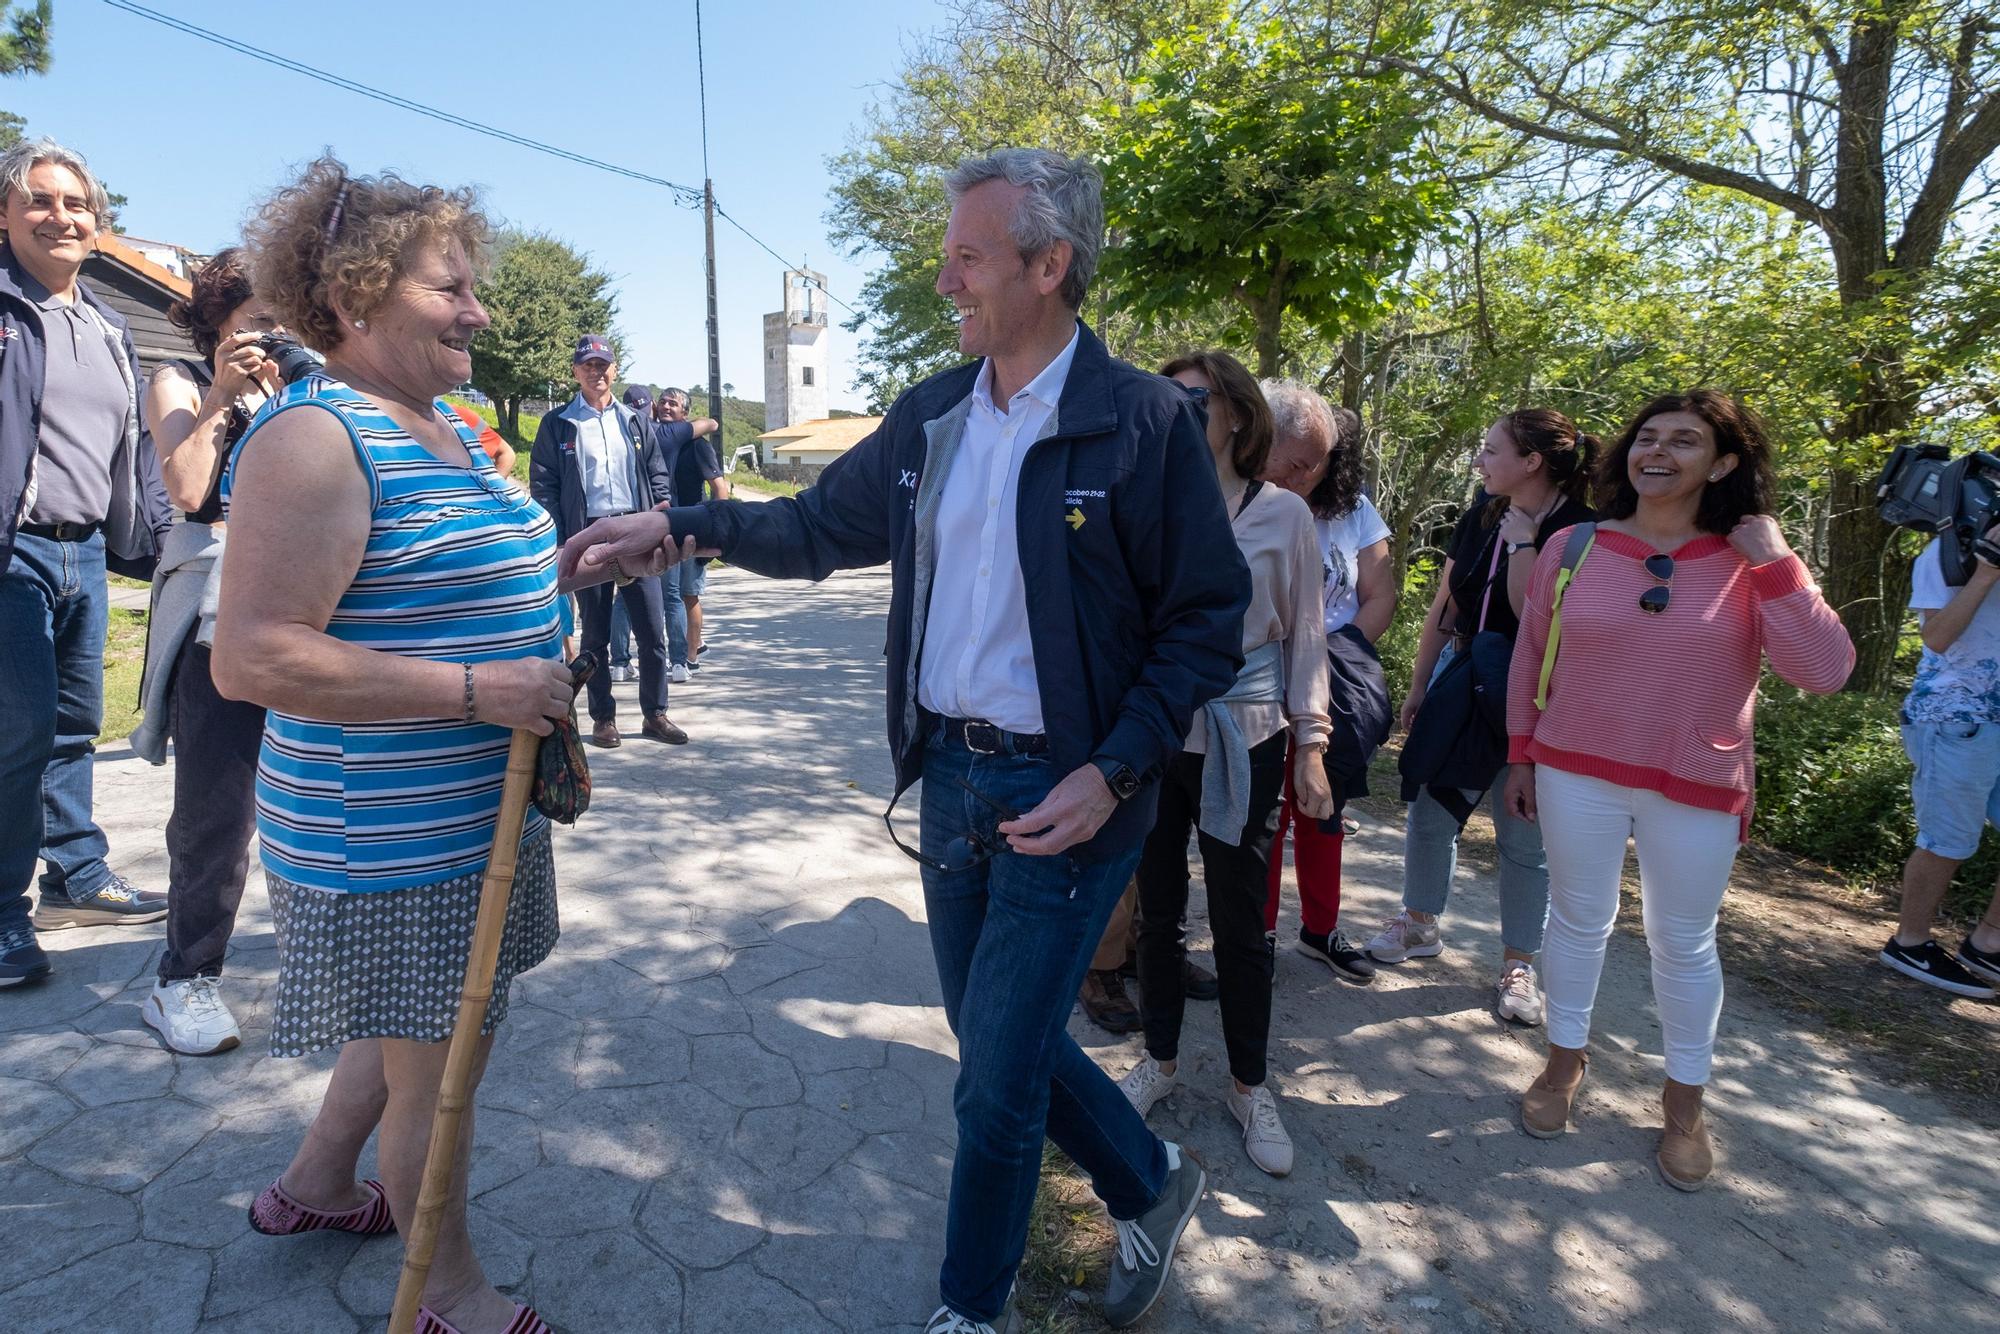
(606, 458)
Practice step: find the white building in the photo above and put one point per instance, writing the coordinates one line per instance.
(797, 453)
(795, 352)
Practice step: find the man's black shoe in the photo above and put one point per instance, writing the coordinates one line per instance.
(1929, 963)
(21, 958)
(1197, 983)
(1338, 953)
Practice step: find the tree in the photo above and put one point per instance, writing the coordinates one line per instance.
(1874, 122)
(1246, 177)
(24, 44)
(542, 295)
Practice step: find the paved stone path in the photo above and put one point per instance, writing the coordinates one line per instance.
(725, 1103)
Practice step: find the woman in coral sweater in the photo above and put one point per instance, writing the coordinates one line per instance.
(1644, 729)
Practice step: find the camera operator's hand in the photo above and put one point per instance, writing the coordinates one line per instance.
(1984, 570)
(1759, 539)
(241, 366)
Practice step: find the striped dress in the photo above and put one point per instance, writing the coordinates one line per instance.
(459, 567)
(375, 835)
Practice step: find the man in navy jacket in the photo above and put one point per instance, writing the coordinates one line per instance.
(1066, 592)
(80, 490)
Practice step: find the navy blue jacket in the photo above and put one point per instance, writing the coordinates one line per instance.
(1135, 587)
(141, 512)
(555, 479)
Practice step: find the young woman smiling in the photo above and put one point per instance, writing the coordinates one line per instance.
(1644, 730)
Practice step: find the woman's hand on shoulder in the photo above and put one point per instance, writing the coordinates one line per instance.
(1759, 539)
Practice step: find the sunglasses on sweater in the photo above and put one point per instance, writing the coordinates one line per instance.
(1654, 600)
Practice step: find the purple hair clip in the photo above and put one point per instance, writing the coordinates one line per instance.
(333, 217)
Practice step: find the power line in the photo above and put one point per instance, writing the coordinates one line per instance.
(686, 196)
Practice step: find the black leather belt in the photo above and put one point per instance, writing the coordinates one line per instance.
(984, 738)
(60, 532)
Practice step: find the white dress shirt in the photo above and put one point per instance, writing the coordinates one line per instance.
(978, 661)
(605, 459)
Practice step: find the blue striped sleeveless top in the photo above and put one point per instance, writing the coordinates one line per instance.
(458, 568)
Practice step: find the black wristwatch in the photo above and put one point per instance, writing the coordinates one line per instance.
(1124, 784)
(1513, 547)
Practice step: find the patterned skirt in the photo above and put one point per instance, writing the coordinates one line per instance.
(391, 964)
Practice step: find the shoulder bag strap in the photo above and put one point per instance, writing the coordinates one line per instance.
(1492, 572)
(1581, 539)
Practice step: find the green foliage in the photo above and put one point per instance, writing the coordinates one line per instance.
(1833, 784)
(542, 295)
(1250, 176)
(24, 38)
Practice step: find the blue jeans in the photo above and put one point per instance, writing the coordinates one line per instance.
(1013, 937)
(53, 607)
(677, 616)
(1430, 859)
(621, 635)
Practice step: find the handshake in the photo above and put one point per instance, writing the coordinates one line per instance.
(630, 546)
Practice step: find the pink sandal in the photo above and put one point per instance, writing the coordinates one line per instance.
(525, 1322)
(276, 1214)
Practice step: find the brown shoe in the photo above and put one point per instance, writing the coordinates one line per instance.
(1686, 1155)
(1105, 1001)
(605, 734)
(661, 728)
(1545, 1106)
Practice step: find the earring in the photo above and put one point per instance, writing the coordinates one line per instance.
(363, 324)
(1715, 477)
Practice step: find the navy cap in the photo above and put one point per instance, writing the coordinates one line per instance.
(593, 347)
(638, 398)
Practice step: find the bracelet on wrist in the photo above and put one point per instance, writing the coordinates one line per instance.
(471, 695)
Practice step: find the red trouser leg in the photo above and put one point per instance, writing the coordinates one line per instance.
(1316, 859)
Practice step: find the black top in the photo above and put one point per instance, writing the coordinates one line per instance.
(1471, 554)
(691, 460)
(210, 510)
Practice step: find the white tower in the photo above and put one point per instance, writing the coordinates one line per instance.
(795, 353)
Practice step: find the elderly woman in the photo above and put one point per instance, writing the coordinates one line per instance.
(1228, 783)
(392, 602)
(197, 410)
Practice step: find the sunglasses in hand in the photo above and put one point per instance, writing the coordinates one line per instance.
(966, 850)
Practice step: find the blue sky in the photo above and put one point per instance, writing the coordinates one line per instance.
(192, 133)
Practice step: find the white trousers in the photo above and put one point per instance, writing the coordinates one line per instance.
(1685, 855)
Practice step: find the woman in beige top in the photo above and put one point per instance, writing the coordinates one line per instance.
(1229, 782)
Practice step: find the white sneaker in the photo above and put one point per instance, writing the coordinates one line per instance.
(1264, 1137)
(620, 672)
(679, 676)
(1147, 1084)
(1520, 994)
(191, 1017)
(1405, 938)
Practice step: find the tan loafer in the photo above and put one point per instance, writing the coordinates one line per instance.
(605, 734)
(1545, 1106)
(1686, 1155)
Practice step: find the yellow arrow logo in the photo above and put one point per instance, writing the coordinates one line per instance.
(1074, 519)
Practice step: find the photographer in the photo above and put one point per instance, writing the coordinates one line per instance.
(1951, 729)
(197, 411)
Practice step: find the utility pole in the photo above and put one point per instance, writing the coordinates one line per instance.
(714, 336)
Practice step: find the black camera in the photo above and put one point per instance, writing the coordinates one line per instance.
(292, 360)
(1923, 487)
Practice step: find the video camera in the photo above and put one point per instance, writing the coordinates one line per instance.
(1923, 488)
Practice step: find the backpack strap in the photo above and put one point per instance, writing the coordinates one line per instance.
(1581, 538)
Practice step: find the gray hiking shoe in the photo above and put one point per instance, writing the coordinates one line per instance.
(1146, 1243)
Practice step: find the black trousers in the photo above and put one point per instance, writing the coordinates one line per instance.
(215, 813)
(646, 612)
(1236, 875)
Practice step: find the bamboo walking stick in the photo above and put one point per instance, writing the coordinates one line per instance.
(454, 1092)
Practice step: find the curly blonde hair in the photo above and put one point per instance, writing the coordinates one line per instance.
(329, 232)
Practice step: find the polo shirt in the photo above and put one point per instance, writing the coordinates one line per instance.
(85, 404)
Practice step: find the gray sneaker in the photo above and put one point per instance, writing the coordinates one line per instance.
(117, 902)
(944, 1320)
(1146, 1243)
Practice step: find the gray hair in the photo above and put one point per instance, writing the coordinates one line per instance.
(24, 157)
(1298, 411)
(1064, 202)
